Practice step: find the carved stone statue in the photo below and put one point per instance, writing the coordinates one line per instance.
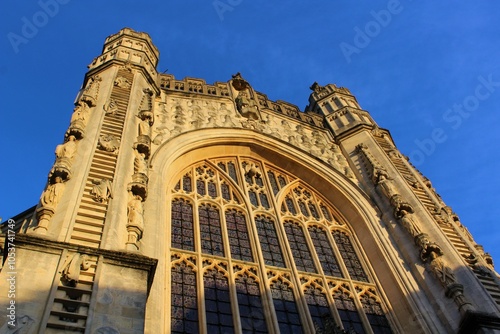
(122, 82)
(428, 250)
(246, 106)
(384, 183)
(52, 194)
(111, 107)
(135, 221)
(66, 150)
(72, 267)
(140, 164)
(144, 128)
(80, 113)
(90, 93)
(101, 190)
(409, 223)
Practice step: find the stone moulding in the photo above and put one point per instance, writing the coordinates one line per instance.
(123, 259)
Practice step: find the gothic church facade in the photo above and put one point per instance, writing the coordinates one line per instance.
(177, 206)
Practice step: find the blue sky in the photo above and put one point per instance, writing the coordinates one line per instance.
(428, 72)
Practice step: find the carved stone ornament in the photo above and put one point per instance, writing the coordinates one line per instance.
(110, 107)
(70, 273)
(64, 156)
(428, 250)
(90, 93)
(147, 101)
(239, 83)
(247, 106)
(79, 120)
(48, 203)
(122, 82)
(101, 190)
(135, 222)
(143, 145)
(109, 143)
(315, 87)
(252, 170)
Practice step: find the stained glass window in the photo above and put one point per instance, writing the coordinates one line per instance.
(269, 242)
(285, 308)
(290, 205)
(253, 198)
(239, 240)
(298, 246)
(318, 307)
(312, 209)
(302, 203)
(232, 171)
(324, 251)
(225, 191)
(182, 225)
(253, 319)
(210, 230)
(303, 208)
(186, 183)
(272, 180)
(349, 256)
(200, 187)
(222, 166)
(348, 312)
(184, 300)
(326, 213)
(281, 181)
(263, 200)
(375, 315)
(212, 190)
(217, 302)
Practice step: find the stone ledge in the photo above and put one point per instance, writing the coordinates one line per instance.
(119, 258)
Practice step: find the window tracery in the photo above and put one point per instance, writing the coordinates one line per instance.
(210, 217)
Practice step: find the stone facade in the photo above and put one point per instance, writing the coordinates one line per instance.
(177, 206)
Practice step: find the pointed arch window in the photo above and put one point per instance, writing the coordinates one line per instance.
(223, 223)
